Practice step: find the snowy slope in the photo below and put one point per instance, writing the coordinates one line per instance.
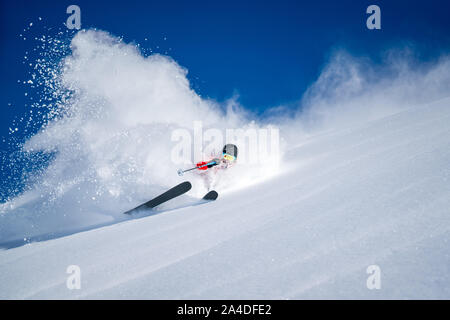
(377, 193)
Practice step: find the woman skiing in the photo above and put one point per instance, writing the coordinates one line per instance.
(228, 159)
(208, 169)
(229, 156)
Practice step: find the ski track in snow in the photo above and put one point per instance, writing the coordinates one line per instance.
(375, 194)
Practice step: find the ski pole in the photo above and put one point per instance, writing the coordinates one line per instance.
(181, 171)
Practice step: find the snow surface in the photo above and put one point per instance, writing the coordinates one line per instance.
(357, 186)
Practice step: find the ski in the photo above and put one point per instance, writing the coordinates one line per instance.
(174, 192)
(211, 196)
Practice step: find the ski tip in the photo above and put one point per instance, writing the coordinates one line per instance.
(187, 185)
(212, 195)
(184, 186)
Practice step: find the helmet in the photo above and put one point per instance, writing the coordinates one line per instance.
(230, 152)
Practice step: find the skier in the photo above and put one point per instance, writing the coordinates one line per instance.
(228, 159)
(229, 156)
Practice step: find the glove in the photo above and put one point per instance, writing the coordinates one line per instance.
(200, 164)
(210, 164)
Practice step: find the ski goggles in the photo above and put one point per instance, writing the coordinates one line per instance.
(229, 157)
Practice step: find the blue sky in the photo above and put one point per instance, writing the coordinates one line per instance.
(267, 52)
